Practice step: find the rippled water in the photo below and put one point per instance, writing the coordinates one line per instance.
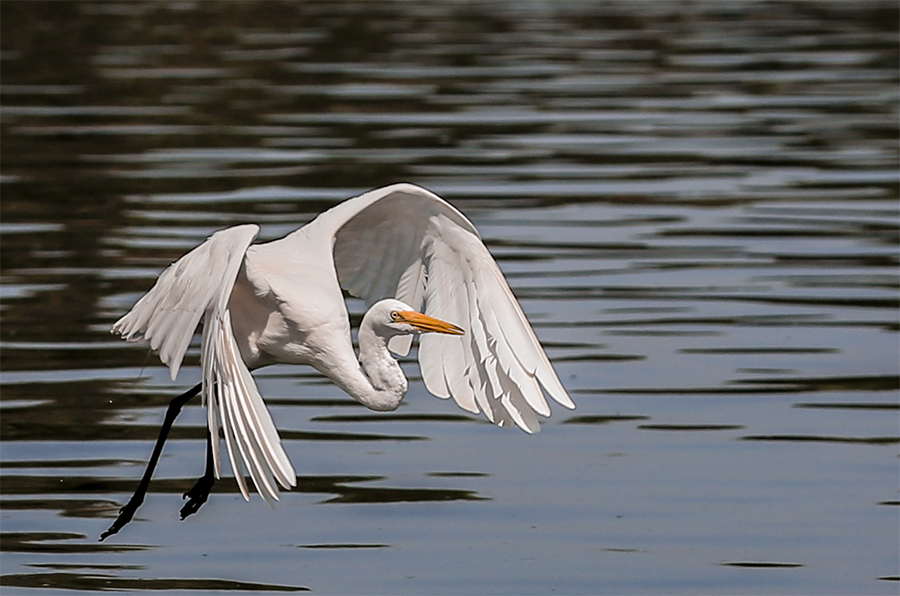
(696, 203)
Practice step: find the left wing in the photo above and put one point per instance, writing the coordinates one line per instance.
(405, 242)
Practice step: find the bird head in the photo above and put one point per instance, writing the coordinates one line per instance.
(398, 318)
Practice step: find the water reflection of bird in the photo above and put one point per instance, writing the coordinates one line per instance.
(282, 302)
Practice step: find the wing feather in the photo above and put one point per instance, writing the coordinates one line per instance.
(452, 355)
(249, 429)
(503, 351)
(482, 366)
(411, 290)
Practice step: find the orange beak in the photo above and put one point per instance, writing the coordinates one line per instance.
(429, 324)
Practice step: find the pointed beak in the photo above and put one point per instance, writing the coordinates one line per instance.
(425, 323)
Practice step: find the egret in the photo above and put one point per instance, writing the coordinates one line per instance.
(409, 254)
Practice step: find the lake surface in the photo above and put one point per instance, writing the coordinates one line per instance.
(696, 203)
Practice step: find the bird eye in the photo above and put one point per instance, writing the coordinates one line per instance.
(395, 316)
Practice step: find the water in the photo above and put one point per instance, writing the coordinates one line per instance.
(696, 203)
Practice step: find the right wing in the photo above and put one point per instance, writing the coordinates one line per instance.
(167, 316)
(200, 284)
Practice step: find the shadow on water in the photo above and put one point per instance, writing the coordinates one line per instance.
(54, 542)
(104, 582)
(341, 486)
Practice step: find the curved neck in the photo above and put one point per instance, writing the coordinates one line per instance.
(383, 385)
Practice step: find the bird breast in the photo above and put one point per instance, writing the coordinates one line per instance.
(287, 310)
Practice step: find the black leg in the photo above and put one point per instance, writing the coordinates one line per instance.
(127, 512)
(199, 493)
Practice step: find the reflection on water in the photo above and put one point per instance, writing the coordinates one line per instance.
(695, 202)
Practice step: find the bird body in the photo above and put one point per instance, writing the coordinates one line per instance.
(402, 249)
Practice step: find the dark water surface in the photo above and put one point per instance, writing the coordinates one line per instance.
(697, 204)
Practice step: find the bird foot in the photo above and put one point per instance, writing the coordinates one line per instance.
(126, 513)
(197, 495)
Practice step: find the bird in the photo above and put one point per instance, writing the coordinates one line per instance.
(422, 268)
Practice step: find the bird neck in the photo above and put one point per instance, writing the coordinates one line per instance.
(386, 383)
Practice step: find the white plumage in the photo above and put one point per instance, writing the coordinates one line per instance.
(282, 302)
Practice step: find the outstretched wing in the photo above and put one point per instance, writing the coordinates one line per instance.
(200, 284)
(405, 242)
(167, 316)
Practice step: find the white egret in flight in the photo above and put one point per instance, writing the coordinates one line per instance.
(412, 256)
